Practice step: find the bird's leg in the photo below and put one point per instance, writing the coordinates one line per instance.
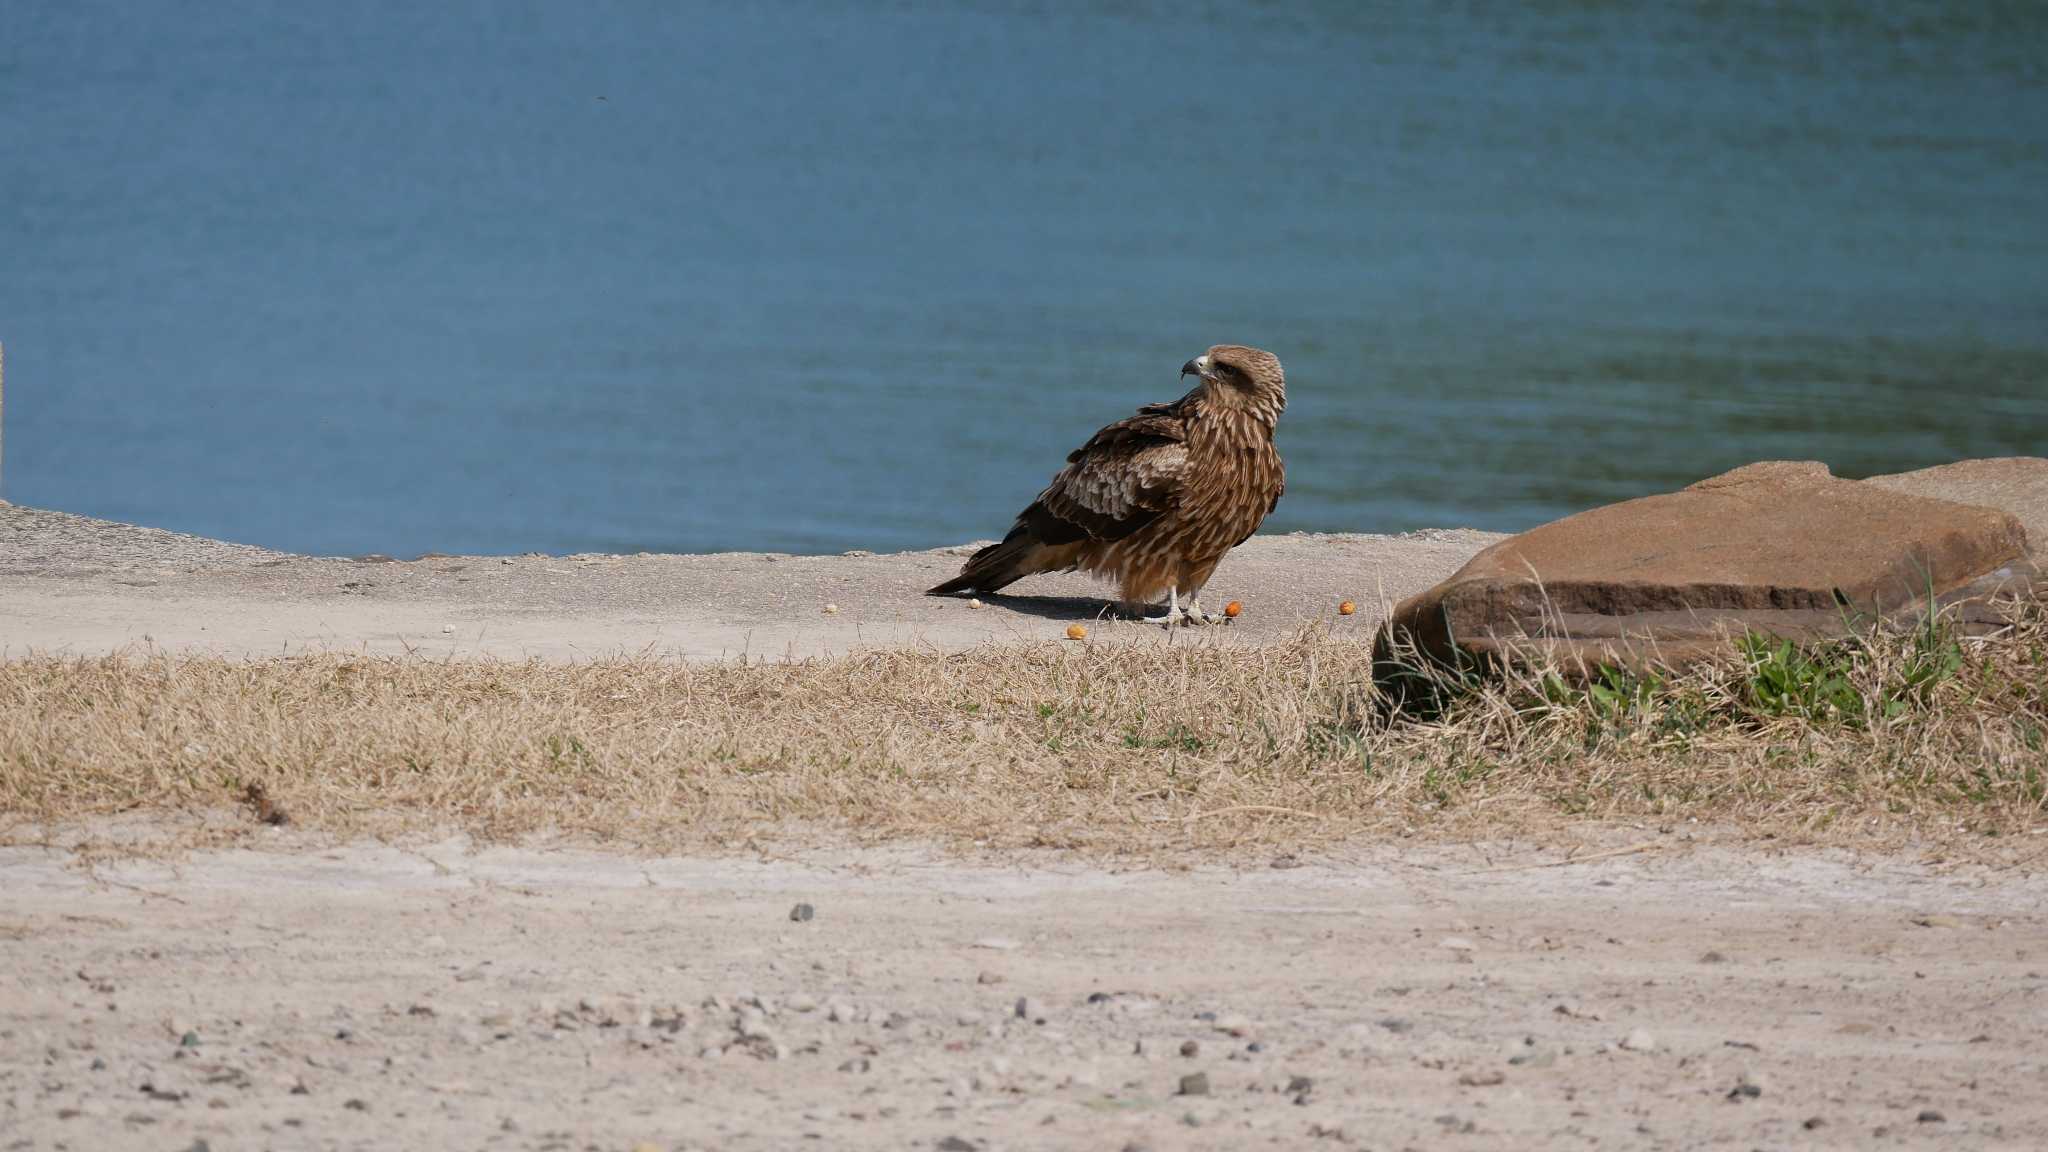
(1173, 610)
(1195, 613)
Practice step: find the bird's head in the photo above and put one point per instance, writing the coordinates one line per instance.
(1242, 377)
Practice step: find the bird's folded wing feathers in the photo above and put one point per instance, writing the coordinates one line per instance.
(1121, 480)
(1279, 490)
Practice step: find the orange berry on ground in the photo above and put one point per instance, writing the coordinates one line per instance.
(1346, 608)
(1076, 632)
(1233, 608)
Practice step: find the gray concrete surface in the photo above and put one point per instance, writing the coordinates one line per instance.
(72, 584)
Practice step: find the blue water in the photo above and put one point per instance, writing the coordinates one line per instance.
(490, 277)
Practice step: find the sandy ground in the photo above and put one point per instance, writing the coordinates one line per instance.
(72, 584)
(308, 996)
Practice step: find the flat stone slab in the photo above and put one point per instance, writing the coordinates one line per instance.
(2015, 484)
(1781, 547)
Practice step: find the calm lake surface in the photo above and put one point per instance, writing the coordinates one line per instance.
(478, 276)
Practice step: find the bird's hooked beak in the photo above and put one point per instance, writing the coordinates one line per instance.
(1199, 366)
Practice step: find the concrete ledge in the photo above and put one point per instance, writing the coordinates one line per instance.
(77, 585)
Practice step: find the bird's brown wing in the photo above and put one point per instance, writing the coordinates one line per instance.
(1124, 478)
(1279, 490)
(1121, 480)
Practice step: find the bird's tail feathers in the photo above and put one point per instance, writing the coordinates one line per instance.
(999, 565)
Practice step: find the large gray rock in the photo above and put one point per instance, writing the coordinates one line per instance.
(1780, 547)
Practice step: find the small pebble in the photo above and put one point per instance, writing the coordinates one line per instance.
(1190, 1048)
(1930, 1116)
(752, 1026)
(802, 912)
(989, 978)
(1640, 1040)
(1195, 1084)
(447, 629)
(1813, 1122)
(831, 609)
(974, 604)
(955, 1144)
(1031, 1008)
(189, 1040)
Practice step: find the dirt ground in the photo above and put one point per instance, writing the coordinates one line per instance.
(1681, 995)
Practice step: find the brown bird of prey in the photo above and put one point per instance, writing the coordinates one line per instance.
(1155, 501)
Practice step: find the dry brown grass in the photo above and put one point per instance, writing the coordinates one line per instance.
(1108, 746)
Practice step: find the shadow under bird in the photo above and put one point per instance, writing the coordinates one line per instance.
(1155, 501)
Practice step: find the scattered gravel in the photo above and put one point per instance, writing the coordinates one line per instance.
(640, 1014)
